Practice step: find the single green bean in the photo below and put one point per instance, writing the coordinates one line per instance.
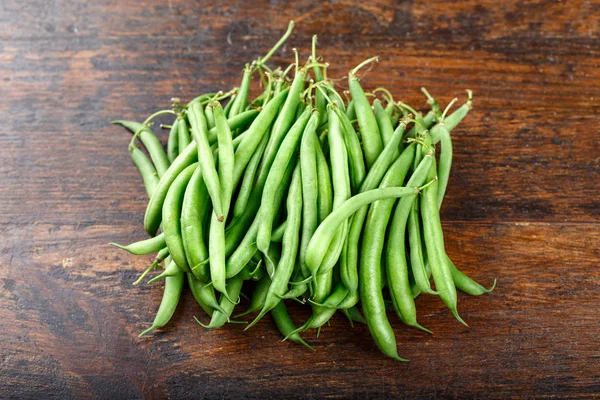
(417, 263)
(205, 158)
(171, 216)
(285, 324)
(277, 235)
(371, 138)
(171, 295)
(173, 142)
(183, 135)
(310, 187)
(434, 243)
(397, 269)
(242, 95)
(466, 284)
(196, 205)
(146, 246)
(356, 158)
(216, 242)
(383, 122)
(147, 170)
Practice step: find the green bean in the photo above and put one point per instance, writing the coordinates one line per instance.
(339, 161)
(354, 315)
(268, 207)
(417, 262)
(208, 114)
(445, 162)
(397, 269)
(229, 105)
(434, 243)
(171, 295)
(336, 296)
(453, 119)
(322, 288)
(319, 243)
(277, 235)
(289, 247)
(183, 135)
(356, 159)
(369, 130)
(204, 295)
(170, 270)
(253, 272)
(243, 252)
(383, 122)
(466, 284)
(216, 242)
(310, 187)
(247, 184)
(299, 286)
(325, 195)
(205, 158)
(272, 257)
(219, 318)
(171, 215)
(259, 295)
(151, 143)
(349, 301)
(255, 133)
(195, 207)
(351, 111)
(160, 256)
(285, 324)
(374, 308)
(147, 170)
(173, 142)
(242, 95)
(299, 110)
(146, 246)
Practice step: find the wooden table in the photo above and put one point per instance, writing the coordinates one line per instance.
(523, 204)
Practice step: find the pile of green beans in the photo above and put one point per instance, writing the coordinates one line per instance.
(300, 193)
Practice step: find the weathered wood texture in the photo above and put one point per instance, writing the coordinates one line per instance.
(523, 204)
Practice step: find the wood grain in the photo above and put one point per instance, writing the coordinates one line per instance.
(523, 203)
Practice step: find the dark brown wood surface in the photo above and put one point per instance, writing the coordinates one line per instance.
(523, 203)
